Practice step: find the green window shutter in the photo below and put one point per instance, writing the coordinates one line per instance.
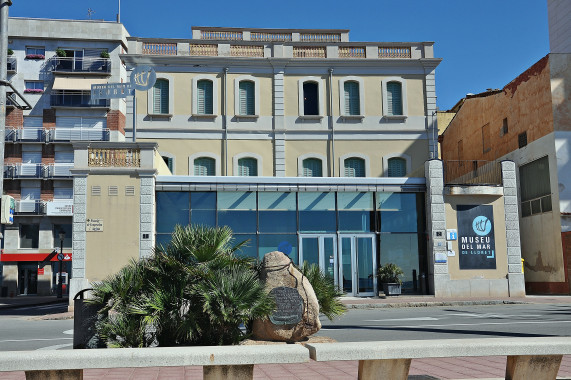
(247, 98)
(352, 101)
(354, 167)
(204, 97)
(247, 167)
(204, 166)
(312, 167)
(394, 98)
(397, 167)
(169, 161)
(161, 96)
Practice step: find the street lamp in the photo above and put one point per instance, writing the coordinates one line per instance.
(60, 258)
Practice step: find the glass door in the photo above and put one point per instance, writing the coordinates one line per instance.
(320, 250)
(358, 264)
(28, 279)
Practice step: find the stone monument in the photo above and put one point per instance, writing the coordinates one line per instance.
(297, 311)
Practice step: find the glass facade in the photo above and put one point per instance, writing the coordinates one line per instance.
(373, 228)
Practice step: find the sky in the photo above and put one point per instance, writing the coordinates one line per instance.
(483, 43)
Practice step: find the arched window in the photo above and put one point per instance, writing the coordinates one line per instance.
(204, 97)
(310, 98)
(169, 161)
(247, 98)
(397, 167)
(161, 96)
(204, 166)
(352, 98)
(312, 167)
(354, 167)
(247, 167)
(394, 98)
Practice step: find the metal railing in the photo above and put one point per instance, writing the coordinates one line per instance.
(81, 65)
(59, 170)
(351, 52)
(79, 134)
(246, 51)
(394, 52)
(114, 157)
(309, 52)
(63, 98)
(472, 172)
(203, 49)
(29, 207)
(159, 48)
(12, 64)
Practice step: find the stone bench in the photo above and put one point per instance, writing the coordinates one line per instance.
(220, 362)
(528, 358)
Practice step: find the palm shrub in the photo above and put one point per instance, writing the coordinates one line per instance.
(390, 273)
(328, 294)
(193, 291)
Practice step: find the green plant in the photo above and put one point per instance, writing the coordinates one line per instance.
(10, 51)
(390, 273)
(328, 295)
(104, 54)
(61, 53)
(193, 291)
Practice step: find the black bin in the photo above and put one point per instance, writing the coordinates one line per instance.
(84, 318)
(4, 291)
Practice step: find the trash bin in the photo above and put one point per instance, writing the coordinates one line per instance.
(4, 291)
(84, 318)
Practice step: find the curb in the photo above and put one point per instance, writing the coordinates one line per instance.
(429, 304)
(20, 306)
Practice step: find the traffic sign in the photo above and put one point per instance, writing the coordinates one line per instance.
(60, 256)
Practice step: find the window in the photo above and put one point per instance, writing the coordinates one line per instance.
(396, 167)
(247, 167)
(34, 86)
(354, 167)
(29, 235)
(504, 129)
(352, 98)
(394, 98)
(35, 50)
(204, 166)
(486, 147)
(247, 98)
(67, 238)
(169, 161)
(312, 167)
(161, 97)
(310, 98)
(204, 90)
(535, 187)
(522, 139)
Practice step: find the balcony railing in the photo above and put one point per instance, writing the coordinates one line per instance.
(81, 65)
(12, 64)
(114, 157)
(472, 172)
(203, 49)
(309, 52)
(79, 134)
(351, 52)
(63, 98)
(246, 51)
(24, 171)
(59, 170)
(159, 48)
(29, 207)
(394, 52)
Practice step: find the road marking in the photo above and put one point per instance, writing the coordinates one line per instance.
(68, 332)
(403, 319)
(32, 340)
(56, 347)
(489, 315)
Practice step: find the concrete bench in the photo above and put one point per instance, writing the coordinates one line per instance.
(528, 358)
(220, 362)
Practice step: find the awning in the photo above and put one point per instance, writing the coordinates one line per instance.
(10, 257)
(77, 83)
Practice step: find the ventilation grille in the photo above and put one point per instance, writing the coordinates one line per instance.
(522, 139)
(95, 191)
(113, 190)
(129, 191)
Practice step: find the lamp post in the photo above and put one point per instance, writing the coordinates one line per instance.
(60, 258)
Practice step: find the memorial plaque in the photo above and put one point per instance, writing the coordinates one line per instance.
(289, 306)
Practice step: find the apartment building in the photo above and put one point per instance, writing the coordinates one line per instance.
(53, 63)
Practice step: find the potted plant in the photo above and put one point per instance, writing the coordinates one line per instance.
(10, 51)
(104, 54)
(390, 276)
(60, 53)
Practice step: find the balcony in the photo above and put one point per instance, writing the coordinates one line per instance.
(58, 170)
(78, 134)
(71, 98)
(24, 171)
(12, 65)
(109, 157)
(24, 134)
(29, 207)
(84, 65)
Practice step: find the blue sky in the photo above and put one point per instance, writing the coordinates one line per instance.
(483, 43)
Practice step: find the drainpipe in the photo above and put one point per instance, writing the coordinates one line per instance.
(224, 123)
(331, 122)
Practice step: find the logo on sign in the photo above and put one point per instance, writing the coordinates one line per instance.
(481, 225)
(143, 78)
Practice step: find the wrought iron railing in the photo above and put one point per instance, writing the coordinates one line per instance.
(472, 172)
(109, 157)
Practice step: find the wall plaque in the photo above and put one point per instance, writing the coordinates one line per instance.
(476, 241)
(94, 225)
(289, 306)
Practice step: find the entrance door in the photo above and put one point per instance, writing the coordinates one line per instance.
(358, 264)
(320, 250)
(28, 279)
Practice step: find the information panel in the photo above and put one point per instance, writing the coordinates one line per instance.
(476, 241)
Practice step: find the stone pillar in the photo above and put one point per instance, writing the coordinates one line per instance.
(516, 282)
(431, 123)
(147, 216)
(78, 281)
(438, 276)
(279, 123)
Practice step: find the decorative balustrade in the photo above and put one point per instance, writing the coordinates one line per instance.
(351, 52)
(309, 52)
(394, 52)
(320, 37)
(159, 48)
(221, 35)
(204, 50)
(267, 36)
(246, 51)
(108, 157)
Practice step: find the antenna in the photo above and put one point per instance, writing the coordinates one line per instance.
(90, 12)
(119, 12)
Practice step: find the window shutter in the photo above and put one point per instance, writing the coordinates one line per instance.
(204, 97)
(204, 166)
(397, 167)
(247, 167)
(394, 98)
(161, 96)
(352, 106)
(354, 167)
(312, 167)
(247, 98)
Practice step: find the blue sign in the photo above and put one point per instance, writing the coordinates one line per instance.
(476, 241)
(143, 78)
(111, 90)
